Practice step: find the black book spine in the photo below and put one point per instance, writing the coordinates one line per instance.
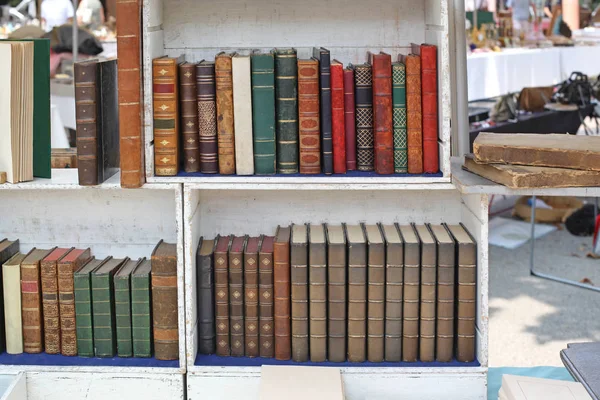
(205, 305)
(324, 58)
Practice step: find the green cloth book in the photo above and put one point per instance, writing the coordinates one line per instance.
(263, 112)
(141, 315)
(122, 284)
(83, 307)
(286, 90)
(399, 117)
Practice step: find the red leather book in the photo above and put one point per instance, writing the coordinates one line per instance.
(382, 113)
(338, 118)
(430, 108)
(414, 113)
(350, 114)
(308, 112)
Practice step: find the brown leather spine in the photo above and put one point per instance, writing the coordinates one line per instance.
(236, 295)
(265, 288)
(376, 294)
(189, 117)
(129, 53)
(166, 116)
(337, 286)
(251, 312)
(165, 308)
(299, 279)
(86, 110)
(317, 252)
(51, 312)
(394, 285)
(225, 129)
(222, 295)
(412, 284)
(382, 113)
(357, 293)
(415, 117)
(207, 117)
(428, 295)
(309, 112)
(281, 287)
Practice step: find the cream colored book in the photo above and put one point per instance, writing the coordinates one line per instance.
(11, 283)
(242, 114)
(300, 383)
(526, 388)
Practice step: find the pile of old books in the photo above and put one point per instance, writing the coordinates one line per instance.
(526, 388)
(536, 160)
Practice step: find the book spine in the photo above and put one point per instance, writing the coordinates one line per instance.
(281, 287)
(413, 111)
(429, 86)
(394, 284)
(265, 288)
(445, 303)
(189, 117)
(166, 116)
(382, 114)
(236, 303)
(83, 315)
(51, 312)
(299, 280)
(206, 304)
(357, 302)
(363, 81)
(66, 301)
(428, 302)
(42, 137)
(251, 312)
(222, 304)
(207, 118)
(326, 139)
(467, 302)
(141, 316)
(263, 113)
(31, 308)
(336, 312)
(410, 314)
(225, 124)
(10, 251)
(318, 301)
(399, 100)
(308, 110)
(87, 120)
(11, 277)
(108, 133)
(286, 89)
(242, 115)
(103, 315)
(165, 307)
(122, 295)
(376, 303)
(338, 122)
(350, 114)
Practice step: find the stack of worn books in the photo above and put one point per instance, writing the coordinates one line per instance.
(526, 388)
(536, 160)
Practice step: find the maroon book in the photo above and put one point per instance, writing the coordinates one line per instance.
(382, 113)
(350, 114)
(430, 108)
(338, 117)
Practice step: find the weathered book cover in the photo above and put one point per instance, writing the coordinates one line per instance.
(225, 122)
(281, 288)
(412, 284)
(394, 285)
(141, 310)
(166, 116)
(265, 302)
(222, 295)
(286, 90)
(375, 294)
(122, 293)
(428, 294)
(414, 113)
(317, 252)
(299, 280)
(308, 110)
(83, 307)
(382, 113)
(242, 114)
(399, 100)
(350, 116)
(236, 295)
(324, 57)
(207, 117)
(338, 119)
(251, 309)
(50, 309)
(8, 248)
(87, 116)
(363, 87)
(429, 84)
(357, 293)
(11, 277)
(263, 112)
(189, 116)
(336, 293)
(206, 295)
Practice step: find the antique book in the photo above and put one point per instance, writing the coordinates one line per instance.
(166, 116)
(263, 112)
(103, 307)
(338, 119)
(165, 308)
(286, 91)
(83, 306)
(375, 294)
(528, 388)
(251, 312)
(222, 295)
(265, 302)
(236, 295)
(324, 57)
(317, 262)
(308, 113)
(394, 284)
(466, 309)
(414, 124)
(13, 323)
(205, 297)
(300, 383)
(2, 177)
(399, 101)
(66, 267)
(446, 264)
(281, 289)
(363, 87)
(8, 248)
(31, 301)
(242, 114)
(225, 122)
(336, 293)
(129, 52)
(382, 113)
(188, 106)
(207, 117)
(122, 296)
(141, 310)
(581, 361)
(50, 308)
(357, 293)
(64, 158)
(299, 281)
(428, 294)
(412, 283)
(429, 85)
(547, 150)
(350, 116)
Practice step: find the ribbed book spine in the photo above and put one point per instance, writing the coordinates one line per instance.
(308, 106)
(299, 280)
(207, 117)
(165, 316)
(428, 301)
(363, 86)
(189, 117)
(236, 296)
(225, 124)
(399, 110)
(206, 296)
(122, 293)
(414, 114)
(265, 302)
(324, 58)
(103, 315)
(338, 118)
(51, 312)
(141, 314)
(412, 284)
(166, 115)
(350, 115)
(251, 328)
(394, 285)
(281, 287)
(286, 90)
(222, 296)
(382, 113)
(83, 314)
(87, 121)
(429, 84)
(337, 301)
(375, 295)
(242, 114)
(317, 289)
(263, 113)
(31, 302)
(357, 294)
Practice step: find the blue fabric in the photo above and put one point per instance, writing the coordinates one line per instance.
(60, 360)
(349, 174)
(495, 376)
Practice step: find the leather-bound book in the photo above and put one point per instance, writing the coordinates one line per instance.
(265, 302)
(8, 248)
(299, 277)
(109, 120)
(87, 120)
(141, 310)
(225, 123)
(251, 312)
(66, 298)
(308, 112)
(429, 84)
(337, 286)
(444, 345)
(263, 112)
(206, 295)
(338, 119)
(350, 116)
(83, 307)
(50, 309)
(31, 301)
(281, 288)
(428, 294)
(399, 101)
(166, 116)
(357, 293)
(188, 98)
(394, 284)
(236, 295)
(375, 294)
(222, 295)
(207, 117)
(122, 296)
(129, 52)
(412, 285)
(363, 88)
(414, 124)
(382, 113)
(13, 323)
(164, 301)
(286, 91)
(242, 114)
(324, 58)
(466, 250)
(317, 261)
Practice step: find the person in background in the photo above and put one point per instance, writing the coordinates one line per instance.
(56, 13)
(90, 14)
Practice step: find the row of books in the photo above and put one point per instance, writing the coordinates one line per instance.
(340, 293)
(64, 301)
(272, 113)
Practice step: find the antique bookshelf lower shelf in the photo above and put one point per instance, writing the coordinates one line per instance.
(43, 359)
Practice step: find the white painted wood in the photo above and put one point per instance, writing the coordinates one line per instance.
(13, 387)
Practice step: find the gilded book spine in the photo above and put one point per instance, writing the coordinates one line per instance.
(87, 118)
(51, 312)
(308, 106)
(166, 110)
(363, 81)
(286, 89)
(399, 100)
(189, 116)
(265, 289)
(207, 117)
(414, 114)
(225, 124)
(263, 113)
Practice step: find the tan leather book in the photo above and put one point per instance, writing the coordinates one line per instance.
(299, 279)
(308, 113)
(225, 122)
(236, 295)
(376, 294)
(394, 285)
(265, 302)
(444, 346)
(412, 286)
(317, 252)
(337, 286)
(189, 117)
(222, 295)
(428, 294)
(467, 292)
(281, 288)
(166, 116)
(414, 113)
(251, 327)
(300, 383)
(11, 276)
(357, 293)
